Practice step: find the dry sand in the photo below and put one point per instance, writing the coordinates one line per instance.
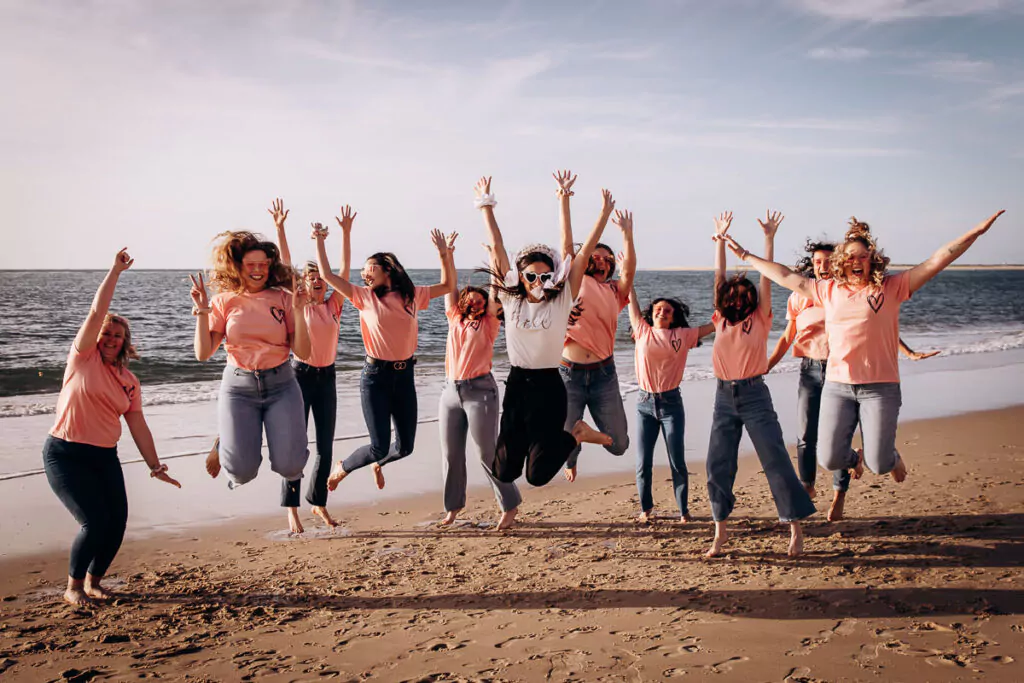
(923, 582)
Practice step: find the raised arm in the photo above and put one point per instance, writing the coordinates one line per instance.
(486, 202)
(300, 341)
(635, 314)
(627, 272)
(447, 281)
(89, 332)
(451, 297)
(782, 346)
(770, 225)
(345, 221)
(776, 272)
(722, 223)
(205, 342)
(280, 214)
(582, 259)
(925, 271)
(565, 180)
(143, 438)
(340, 284)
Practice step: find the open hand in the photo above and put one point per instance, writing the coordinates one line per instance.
(437, 237)
(449, 241)
(300, 295)
(624, 219)
(123, 261)
(565, 180)
(983, 227)
(482, 187)
(278, 211)
(607, 202)
(722, 223)
(161, 473)
(921, 355)
(346, 218)
(198, 292)
(771, 223)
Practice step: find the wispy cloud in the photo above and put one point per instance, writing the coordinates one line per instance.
(839, 54)
(953, 69)
(895, 10)
(881, 125)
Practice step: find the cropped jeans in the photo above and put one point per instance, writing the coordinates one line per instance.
(250, 402)
(876, 407)
(596, 390)
(319, 396)
(470, 407)
(661, 412)
(812, 380)
(387, 390)
(748, 403)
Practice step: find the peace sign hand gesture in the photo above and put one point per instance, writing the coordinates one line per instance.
(346, 219)
(773, 219)
(565, 180)
(123, 261)
(278, 211)
(200, 301)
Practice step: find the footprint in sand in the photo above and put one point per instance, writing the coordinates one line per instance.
(726, 665)
(801, 675)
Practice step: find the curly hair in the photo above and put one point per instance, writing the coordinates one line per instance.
(128, 351)
(680, 312)
(519, 290)
(859, 232)
(805, 266)
(228, 252)
(736, 290)
(463, 303)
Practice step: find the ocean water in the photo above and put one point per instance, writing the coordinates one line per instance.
(959, 312)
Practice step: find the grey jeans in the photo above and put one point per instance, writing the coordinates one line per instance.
(876, 407)
(471, 407)
(251, 401)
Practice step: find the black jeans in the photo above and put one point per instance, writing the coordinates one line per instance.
(319, 395)
(532, 432)
(89, 481)
(388, 392)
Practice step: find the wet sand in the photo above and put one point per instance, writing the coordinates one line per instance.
(922, 582)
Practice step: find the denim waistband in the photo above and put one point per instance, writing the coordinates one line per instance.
(657, 395)
(610, 360)
(813, 361)
(740, 382)
(260, 373)
(471, 380)
(312, 369)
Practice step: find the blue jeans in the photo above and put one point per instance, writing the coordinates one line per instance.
(388, 392)
(748, 403)
(89, 481)
(319, 395)
(250, 402)
(661, 412)
(812, 379)
(598, 391)
(876, 407)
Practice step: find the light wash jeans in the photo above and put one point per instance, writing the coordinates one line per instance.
(251, 401)
(661, 413)
(812, 379)
(471, 407)
(876, 407)
(748, 403)
(596, 390)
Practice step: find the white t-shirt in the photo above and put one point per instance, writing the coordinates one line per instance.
(535, 333)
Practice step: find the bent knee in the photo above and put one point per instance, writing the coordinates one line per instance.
(618, 447)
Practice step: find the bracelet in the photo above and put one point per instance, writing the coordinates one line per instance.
(485, 200)
(562, 192)
(200, 311)
(158, 470)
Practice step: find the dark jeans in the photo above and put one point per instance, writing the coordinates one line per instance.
(596, 390)
(532, 433)
(319, 395)
(388, 393)
(812, 379)
(661, 413)
(748, 403)
(89, 481)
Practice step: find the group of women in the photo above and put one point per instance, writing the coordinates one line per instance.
(560, 308)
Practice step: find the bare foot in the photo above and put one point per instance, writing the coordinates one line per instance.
(685, 519)
(584, 433)
(213, 459)
(94, 590)
(321, 512)
(811, 491)
(294, 523)
(645, 517)
(835, 510)
(899, 473)
(337, 474)
(378, 476)
(77, 597)
(858, 469)
(570, 474)
(507, 519)
(449, 517)
(721, 538)
(796, 539)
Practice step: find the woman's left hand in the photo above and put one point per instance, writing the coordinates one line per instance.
(438, 238)
(160, 472)
(771, 223)
(734, 246)
(300, 296)
(449, 241)
(921, 355)
(624, 219)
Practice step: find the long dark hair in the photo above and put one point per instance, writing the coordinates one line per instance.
(805, 266)
(519, 290)
(590, 264)
(680, 312)
(463, 302)
(400, 280)
(737, 289)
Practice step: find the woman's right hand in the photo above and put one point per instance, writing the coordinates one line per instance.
(565, 180)
(319, 231)
(198, 292)
(346, 219)
(279, 213)
(482, 187)
(722, 223)
(122, 261)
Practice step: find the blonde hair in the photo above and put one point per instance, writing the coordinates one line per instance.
(859, 233)
(228, 252)
(128, 351)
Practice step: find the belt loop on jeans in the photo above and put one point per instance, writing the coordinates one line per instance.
(740, 382)
(393, 364)
(588, 366)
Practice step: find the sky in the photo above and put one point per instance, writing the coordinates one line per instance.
(157, 125)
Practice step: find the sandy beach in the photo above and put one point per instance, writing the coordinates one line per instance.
(922, 582)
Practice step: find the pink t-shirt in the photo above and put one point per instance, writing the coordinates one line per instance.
(661, 355)
(389, 328)
(741, 351)
(257, 327)
(863, 329)
(595, 316)
(323, 321)
(93, 398)
(470, 346)
(809, 340)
